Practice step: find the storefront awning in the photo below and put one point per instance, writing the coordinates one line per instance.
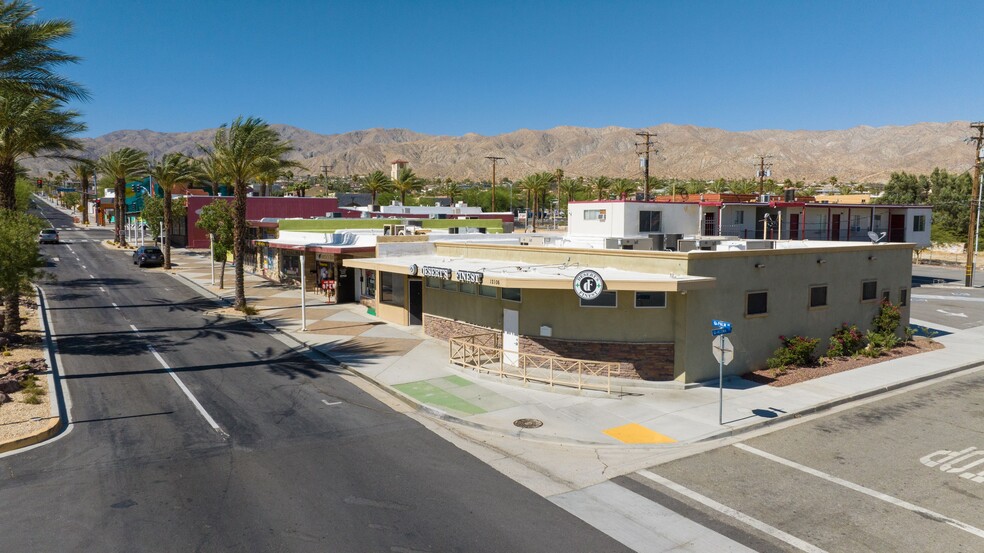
(341, 243)
(514, 274)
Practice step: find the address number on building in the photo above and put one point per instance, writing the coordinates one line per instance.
(588, 285)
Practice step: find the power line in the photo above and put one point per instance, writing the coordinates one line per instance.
(494, 160)
(643, 149)
(764, 170)
(975, 207)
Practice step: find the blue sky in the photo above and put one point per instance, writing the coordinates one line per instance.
(454, 67)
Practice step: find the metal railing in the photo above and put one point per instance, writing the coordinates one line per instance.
(484, 353)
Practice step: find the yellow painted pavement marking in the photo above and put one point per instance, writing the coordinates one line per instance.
(637, 434)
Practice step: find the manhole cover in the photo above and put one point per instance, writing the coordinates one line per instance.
(528, 423)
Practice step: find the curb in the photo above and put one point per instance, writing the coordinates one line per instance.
(57, 418)
(433, 412)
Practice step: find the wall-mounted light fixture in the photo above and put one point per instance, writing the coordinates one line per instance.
(760, 265)
(872, 258)
(821, 261)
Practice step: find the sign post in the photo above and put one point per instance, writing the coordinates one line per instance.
(725, 353)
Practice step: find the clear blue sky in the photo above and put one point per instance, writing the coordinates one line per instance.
(453, 67)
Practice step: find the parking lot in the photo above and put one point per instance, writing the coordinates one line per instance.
(905, 473)
(940, 297)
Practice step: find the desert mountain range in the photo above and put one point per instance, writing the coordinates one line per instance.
(861, 154)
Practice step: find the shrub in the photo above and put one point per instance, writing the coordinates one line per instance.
(879, 343)
(888, 318)
(845, 341)
(795, 351)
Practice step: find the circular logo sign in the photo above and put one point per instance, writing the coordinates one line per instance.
(413, 270)
(588, 285)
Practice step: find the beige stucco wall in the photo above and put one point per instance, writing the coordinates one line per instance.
(629, 260)
(787, 276)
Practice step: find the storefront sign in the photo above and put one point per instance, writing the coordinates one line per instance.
(588, 285)
(470, 276)
(412, 269)
(436, 272)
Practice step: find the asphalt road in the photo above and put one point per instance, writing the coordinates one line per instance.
(301, 460)
(939, 296)
(872, 478)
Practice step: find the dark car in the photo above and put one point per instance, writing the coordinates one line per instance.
(148, 255)
(48, 236)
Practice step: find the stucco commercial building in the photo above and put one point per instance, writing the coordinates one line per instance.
(648, 309)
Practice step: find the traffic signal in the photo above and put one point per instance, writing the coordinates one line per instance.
(40, 182)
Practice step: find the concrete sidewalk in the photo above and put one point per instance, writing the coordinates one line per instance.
(415, 367)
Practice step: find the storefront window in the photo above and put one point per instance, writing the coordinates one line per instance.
(469, 287)
(487, 291)
(290, 265)
(392, 289)
(512, 294)
(368, 284)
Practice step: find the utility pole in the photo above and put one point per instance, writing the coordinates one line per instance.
(975, 204)
(762, 168)
(643, 149)
(560, 178)
(494, 160)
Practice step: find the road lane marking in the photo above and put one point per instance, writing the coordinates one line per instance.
(964, 315)
(101, 289)
(951, 298)
(737, 515)
(867, 491)
(94, 278)
(208, 418)
(325, 401)
(118, 308)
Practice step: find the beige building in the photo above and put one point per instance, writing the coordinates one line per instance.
(648, 310)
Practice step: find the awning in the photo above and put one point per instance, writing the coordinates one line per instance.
(515, 274)
(335, 243)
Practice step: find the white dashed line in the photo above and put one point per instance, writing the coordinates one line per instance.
(116, 306)
(94, 278)
(325, 401)
(861, 489)
(208, 418)
(101, 289)
(737, 515)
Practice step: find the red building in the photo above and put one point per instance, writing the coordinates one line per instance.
(258, 207)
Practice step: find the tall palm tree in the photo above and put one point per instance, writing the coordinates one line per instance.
(212, 172)
(536, 185)
(451, 189)
(122, 165)
(171, 170)
(601, 185)
(83, 171)
(405, 182)
(377, 182)
(270, 171)
(570, 188)
(27, 58)
(623, 188)
(242, 148)
(29, 127)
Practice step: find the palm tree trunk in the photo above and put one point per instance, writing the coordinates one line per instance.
(222, 275)
(85, 201)
(166, 239)
(239, 242)
(11, 312)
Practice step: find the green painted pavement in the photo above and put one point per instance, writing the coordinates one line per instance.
(425, 392)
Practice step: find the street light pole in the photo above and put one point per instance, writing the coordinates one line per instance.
(975, 207)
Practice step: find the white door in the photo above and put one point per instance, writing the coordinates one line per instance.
(510, 336)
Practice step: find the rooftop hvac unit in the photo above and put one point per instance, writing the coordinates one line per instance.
(671, 241)
(659, 241)
(789, 194)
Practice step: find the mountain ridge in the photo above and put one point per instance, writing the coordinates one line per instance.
(862, 153)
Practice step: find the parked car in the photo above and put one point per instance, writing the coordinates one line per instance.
(48, 236)
(148, 255)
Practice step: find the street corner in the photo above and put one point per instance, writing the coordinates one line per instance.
(36, 432)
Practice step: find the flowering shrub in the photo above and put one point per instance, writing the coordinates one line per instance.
(888, 318)
(797, 350)
(845, 341)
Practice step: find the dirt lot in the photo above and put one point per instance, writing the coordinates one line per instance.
(17, 418)
(839, 364)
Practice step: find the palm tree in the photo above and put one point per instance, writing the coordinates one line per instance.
(122, 165)
(83, 171)
(623, 187)
(571, 188)
(211, 171)
(377, 182)
(171, 170)
(27, 58)
(405, 182)
(270, 171)
(601, 185)
(242, 148)
(535, 185)
(29, 127)
(451, 189)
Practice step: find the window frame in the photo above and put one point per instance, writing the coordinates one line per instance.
(517, 300)
(482, 289)
(874, 291)
(748, 296)
(637, 306)
(919, 223)
(604, 294)
(825, 303)
(903, 297)
(650, 214)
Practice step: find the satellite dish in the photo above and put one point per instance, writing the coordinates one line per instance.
(875, 237)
